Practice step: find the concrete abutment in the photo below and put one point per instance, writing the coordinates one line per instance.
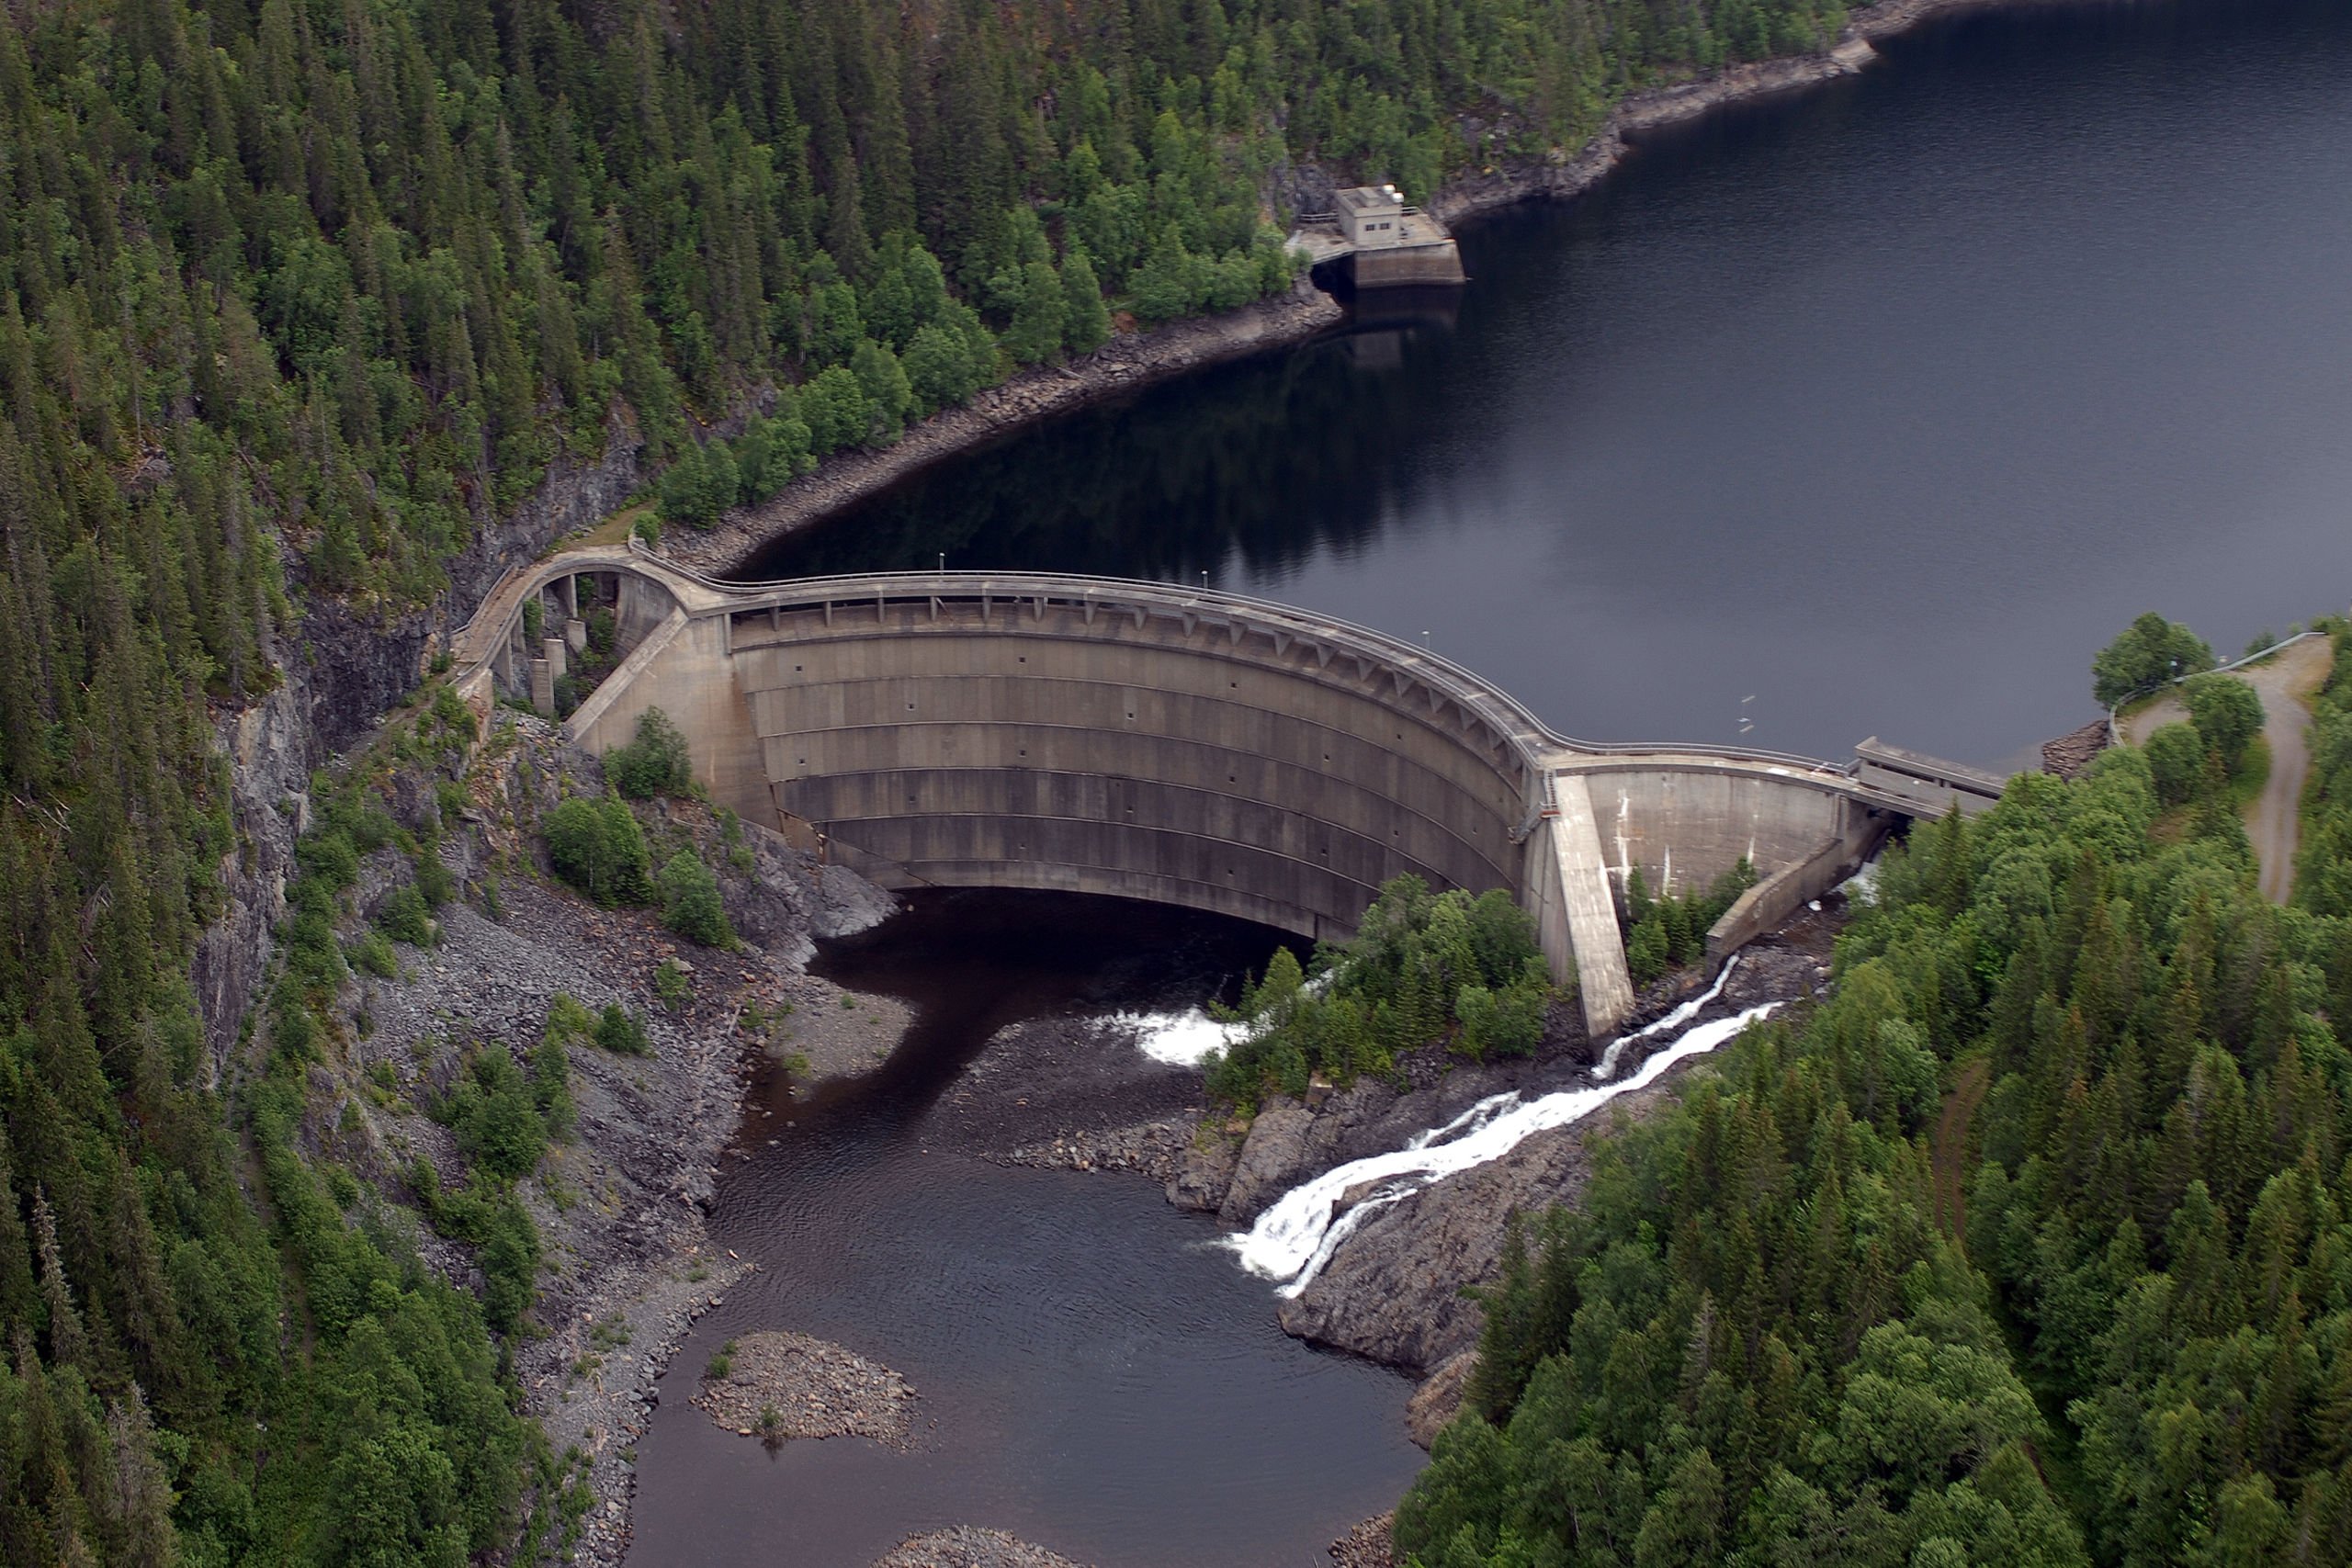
(1150, 741)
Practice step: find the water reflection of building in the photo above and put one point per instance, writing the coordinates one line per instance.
(1381, 350)
(1408, 307)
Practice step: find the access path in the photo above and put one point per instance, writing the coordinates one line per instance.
(2284, 685)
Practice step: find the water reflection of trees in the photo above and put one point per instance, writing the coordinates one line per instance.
(1265, 461)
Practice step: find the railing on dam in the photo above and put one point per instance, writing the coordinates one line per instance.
(1189, 745)
(1546, 745)
(1505, 713)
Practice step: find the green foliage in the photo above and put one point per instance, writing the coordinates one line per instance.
(1506, 1022)
(569, 1022)
(1086, 320)
(551, 1091)
(655, 762)
(495, 1112)
(2176, 762)
(1761, 1332)
(838, 410)
(1666, 933)
(621, 1031)
(700, 486)
(1037, 327)
(373, 955)
(772, 452)
(2227, 714)
(690, 902)
(671, 984)
(597, 847)
(2148, 654)
(1421, 967)
(434, 883)
(2324, 864)
(404, 916)
(944, 368)
(1169, 284)
(294, 300)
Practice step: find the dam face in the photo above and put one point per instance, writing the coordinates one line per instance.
(1187, 753)
(1199, 748)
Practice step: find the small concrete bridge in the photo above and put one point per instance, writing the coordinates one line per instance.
(1021, 729)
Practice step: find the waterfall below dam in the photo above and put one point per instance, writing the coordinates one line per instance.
(1293, 1240)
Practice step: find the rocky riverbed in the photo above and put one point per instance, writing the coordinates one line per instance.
(621, 1203)
(1392, 1290)
(780, 1386)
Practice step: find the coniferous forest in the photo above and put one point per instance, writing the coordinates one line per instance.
(297, 296)
(2032, 1244)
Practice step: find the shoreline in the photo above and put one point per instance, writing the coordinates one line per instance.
(1135, 360)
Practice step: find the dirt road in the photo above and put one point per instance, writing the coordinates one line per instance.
(2285, 685)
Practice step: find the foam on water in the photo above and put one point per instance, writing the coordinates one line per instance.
(1673, 1021)
(1293, 1240)
(1181, 1039)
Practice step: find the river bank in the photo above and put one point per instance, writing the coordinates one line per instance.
(1133, 360)
(1392, 1288)
(1126, 362)
(621, 1198)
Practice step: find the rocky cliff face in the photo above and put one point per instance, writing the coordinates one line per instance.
(268, 748)
(343, 671)
(352, 664)
(619, 1203)
(1396, 1287)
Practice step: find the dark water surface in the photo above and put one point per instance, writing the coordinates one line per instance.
(1106, 1381)
(1884, 405)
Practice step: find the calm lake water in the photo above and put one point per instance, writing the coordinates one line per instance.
(1882, 407)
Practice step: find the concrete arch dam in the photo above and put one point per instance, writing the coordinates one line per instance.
(1190, 747)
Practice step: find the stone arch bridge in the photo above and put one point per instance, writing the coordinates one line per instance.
(1014, 729)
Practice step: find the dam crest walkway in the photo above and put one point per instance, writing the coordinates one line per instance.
(1185, 745)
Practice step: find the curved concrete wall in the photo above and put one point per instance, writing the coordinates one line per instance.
(1145, 747)
(1684, 823)
(1027, 730)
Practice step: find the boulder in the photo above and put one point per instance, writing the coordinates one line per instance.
(1274, 1158)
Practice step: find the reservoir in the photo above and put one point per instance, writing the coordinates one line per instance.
(1873, 410)
(1877, 409)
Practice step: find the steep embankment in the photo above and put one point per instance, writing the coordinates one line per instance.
(1393, 1268)
(616, 1261)
(1136, 359)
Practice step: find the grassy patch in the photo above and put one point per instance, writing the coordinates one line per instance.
(2253, 772)
(613, 530)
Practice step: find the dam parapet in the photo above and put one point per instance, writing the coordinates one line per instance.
(1179, 745)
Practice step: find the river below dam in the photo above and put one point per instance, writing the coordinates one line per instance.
(1873, 410)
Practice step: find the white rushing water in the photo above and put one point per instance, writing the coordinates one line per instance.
(1180, 1039)
(1671, 1021)
(1186, 1039)
(1293, 1240)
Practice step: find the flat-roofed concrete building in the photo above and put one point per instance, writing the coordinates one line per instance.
(1372, 216)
